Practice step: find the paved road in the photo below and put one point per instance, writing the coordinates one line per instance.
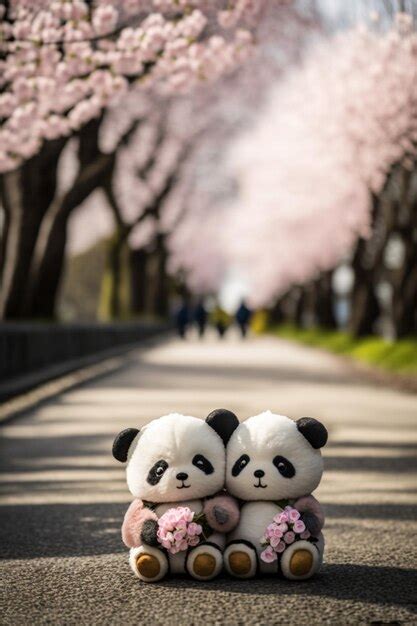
(63, 496)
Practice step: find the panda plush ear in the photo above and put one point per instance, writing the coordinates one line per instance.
(224, 422)
(313, 430)
(122, 444)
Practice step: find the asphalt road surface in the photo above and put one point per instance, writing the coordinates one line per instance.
(63, 496)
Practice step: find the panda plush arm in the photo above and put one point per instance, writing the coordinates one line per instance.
(222, 512)
(139, 525)
(312, 513)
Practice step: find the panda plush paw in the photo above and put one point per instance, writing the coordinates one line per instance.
(240, 560)
(204, 562)
(300, 561)
(149, 564)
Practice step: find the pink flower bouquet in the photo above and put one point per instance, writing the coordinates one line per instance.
(177, 529)
(285, 528)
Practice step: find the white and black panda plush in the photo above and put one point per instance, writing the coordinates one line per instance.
(273, 461)
(177, 460)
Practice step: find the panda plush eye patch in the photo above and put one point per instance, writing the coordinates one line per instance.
(156, 472)
(203, 464)
(240, 464)
(284, 466)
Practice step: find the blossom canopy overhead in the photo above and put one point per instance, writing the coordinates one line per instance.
(322, 149)
(62, 62)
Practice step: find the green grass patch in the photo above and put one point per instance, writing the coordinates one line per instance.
(396, 356)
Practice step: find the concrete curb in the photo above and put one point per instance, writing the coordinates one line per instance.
(49, 382)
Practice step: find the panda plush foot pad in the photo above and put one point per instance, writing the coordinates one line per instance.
(149, 564)
(205, 562)
(240, 560)
(300, 561)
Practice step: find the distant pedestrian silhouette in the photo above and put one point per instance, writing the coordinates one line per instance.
(243, 316)
(200, 318)
(220, 320)
(182, 319)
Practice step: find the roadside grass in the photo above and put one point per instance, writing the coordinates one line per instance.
(396, 356)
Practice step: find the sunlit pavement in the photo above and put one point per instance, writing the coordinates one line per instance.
(63, 495)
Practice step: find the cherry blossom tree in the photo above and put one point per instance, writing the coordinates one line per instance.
(318, 173)
(64, 61)
(146, 218)
(62, 64)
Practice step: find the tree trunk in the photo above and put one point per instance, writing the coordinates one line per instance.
(277, 313)
(323, 301)
(300, 306)
(114, 301)
(95, 169)
(42, 305)
(159, 284)
(405, 293)
(138, 261)
(26, 195)
(405, 317)
(364, 302)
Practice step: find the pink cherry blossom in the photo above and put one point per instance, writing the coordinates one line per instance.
(194, 529)
(294, 515)
(299, 526)
(269, 555)
(281, 518)
(280, 547)
(50, 49)
(289, 537)
(275, 541)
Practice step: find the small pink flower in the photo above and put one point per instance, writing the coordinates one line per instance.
(270, 529)
(299, 526)
(289, 537)
(305, 535)
(281, 517)
(283, 528)
(280, 547)
(294, 515)
(275, 541)
(277, 533)
(268, 555)
(194, 541)
(179, 535)
(170, 518)
(194, 529)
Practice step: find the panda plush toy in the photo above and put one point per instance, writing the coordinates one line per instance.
(273, 462)
(177, 461)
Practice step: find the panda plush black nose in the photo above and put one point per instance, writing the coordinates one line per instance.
(182, 476)
(259, 473)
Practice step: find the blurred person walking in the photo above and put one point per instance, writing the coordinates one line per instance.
(220, 320)
(200, 317)
(243, 317)
(182, 318)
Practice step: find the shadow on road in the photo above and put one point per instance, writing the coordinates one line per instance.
(363, 583)
(173, 375)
